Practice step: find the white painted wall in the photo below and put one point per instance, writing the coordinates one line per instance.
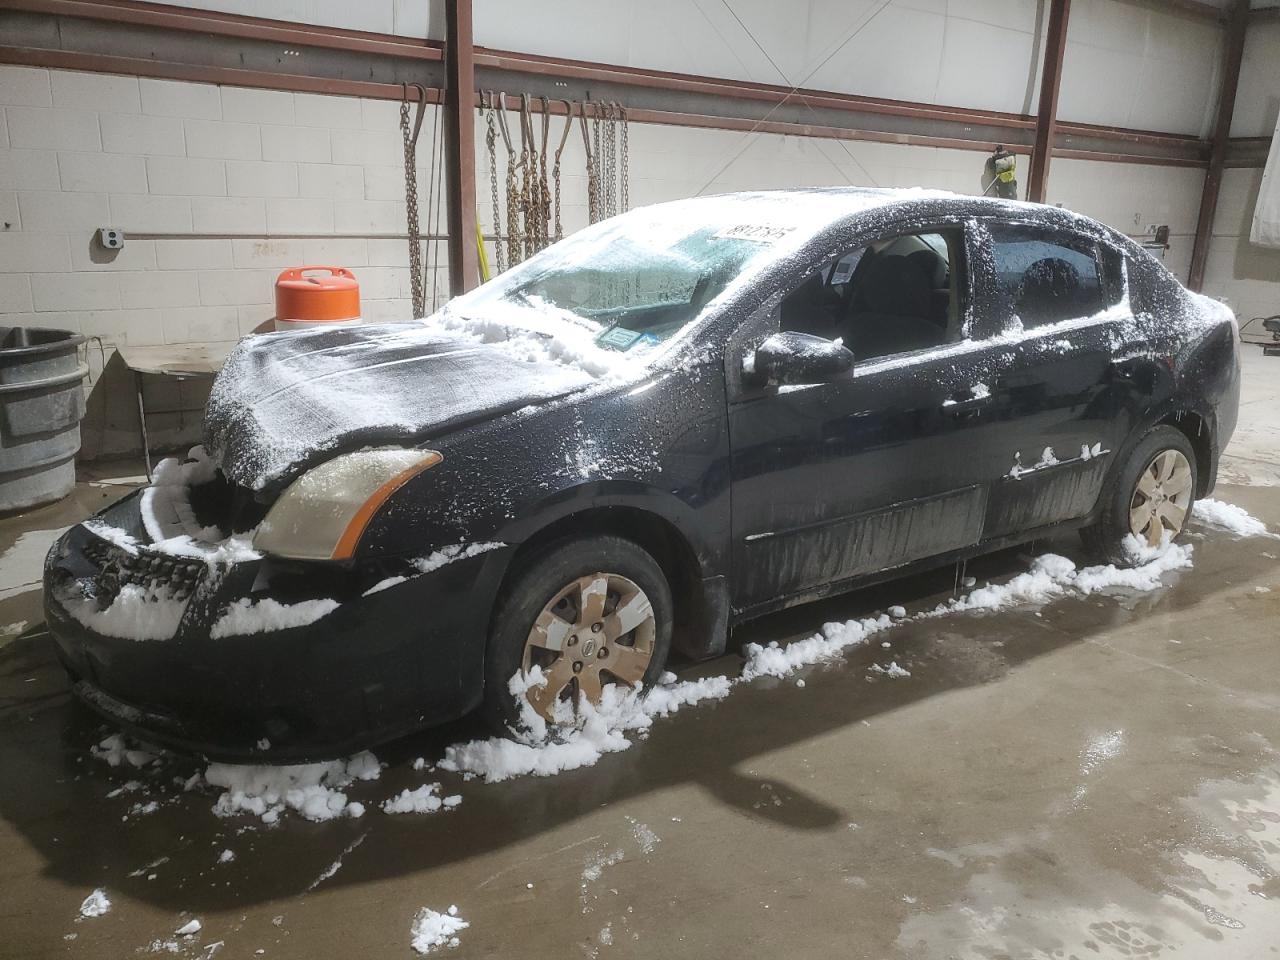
(1258, 96)
(198, 177)
(1128, 63)
(1244, 275)
(1248, 276)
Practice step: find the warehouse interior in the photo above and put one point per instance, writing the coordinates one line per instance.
(1095, 775)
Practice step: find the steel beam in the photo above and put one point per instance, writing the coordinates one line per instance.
(1237, 27)
(460, 146)
(1055, 48)
(1195, 8)
(182, 43)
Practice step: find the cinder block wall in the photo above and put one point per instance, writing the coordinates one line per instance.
(216, 189)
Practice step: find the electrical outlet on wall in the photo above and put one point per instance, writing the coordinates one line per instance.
(111, 238)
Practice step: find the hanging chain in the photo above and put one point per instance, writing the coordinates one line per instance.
(597, 133)
(555, 170)
(626, 168)
(593, 213)
(534, 222)
(435, 210)
(544, 190)
(526, 179)
(611, 153)
(513, 193)
(491, 143)
(411, 197)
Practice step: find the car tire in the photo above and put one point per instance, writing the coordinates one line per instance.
(542, 607)
(1139, 492)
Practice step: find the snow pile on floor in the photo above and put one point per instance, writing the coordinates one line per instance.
(247, 616)
(431, 929)
(95, 904)
(830, 643)
(1227, 516)
(313, 790)
(115, 750)
(1052, 576)
(892, 671)
(544, 752)
(425, 799)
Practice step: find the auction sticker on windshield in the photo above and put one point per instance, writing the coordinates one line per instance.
(759, 232)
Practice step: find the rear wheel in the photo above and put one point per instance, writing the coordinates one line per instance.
(587, 613)
(1151, 498)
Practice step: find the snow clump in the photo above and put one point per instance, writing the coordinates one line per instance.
(544, 752)
(1229, 517)
(95, 904)
(424, 799)
(431, 929)
(312, 790)
(115, 750)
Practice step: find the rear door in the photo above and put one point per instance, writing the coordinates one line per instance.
(1060, 394)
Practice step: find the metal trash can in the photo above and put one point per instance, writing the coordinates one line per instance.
(41, 405)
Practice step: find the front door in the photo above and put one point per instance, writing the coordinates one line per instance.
(837, 480)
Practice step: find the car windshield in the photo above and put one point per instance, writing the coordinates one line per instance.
(631, 283)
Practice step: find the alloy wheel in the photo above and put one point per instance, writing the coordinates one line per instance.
(598, 629)
(1161, 497)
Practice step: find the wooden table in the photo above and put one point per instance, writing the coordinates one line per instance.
(176, 361)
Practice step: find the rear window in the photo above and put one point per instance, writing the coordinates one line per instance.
(1047, 277)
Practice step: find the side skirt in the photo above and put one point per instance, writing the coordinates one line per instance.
(893, 573)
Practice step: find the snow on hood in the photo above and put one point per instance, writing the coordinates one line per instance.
(283, 401)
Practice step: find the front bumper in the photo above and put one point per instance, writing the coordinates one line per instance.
(378, 665)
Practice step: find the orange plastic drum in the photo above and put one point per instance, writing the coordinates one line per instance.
(316, 297)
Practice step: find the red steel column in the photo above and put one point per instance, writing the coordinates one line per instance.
(460, 146)
(1055, 49)
(1237, 26)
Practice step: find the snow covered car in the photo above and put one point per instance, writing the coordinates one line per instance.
(670, 422)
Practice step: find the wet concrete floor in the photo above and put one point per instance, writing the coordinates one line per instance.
(1096, 777)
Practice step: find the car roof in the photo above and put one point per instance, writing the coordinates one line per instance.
(856, 200)
(868, 202)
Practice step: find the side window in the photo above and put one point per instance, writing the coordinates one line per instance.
(1047, 277)
(895, 295)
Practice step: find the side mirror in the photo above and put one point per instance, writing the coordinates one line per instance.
(800, 358)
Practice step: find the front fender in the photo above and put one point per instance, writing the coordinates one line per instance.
(616, 493)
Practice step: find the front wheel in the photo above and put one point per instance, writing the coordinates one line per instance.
(1151, 499)
(587, 613)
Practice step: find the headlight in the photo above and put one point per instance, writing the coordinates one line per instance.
(322, 514)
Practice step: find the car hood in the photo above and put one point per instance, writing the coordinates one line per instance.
(286, 401)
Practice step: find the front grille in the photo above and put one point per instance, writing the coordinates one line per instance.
(118, 567)
(231, 508)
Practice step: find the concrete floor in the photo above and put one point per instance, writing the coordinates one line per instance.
(1096, 777)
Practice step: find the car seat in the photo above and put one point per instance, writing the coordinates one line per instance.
(892, 308)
